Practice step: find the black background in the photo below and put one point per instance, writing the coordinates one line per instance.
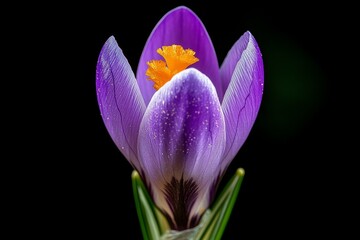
(82, 184)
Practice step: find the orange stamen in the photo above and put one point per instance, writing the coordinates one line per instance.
(176, 59)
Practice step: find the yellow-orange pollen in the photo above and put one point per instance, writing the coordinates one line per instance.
(176, 59)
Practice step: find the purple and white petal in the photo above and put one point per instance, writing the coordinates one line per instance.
(119, 98)
(179, 26)
(231, 60)
(181, 142)
(243, 96)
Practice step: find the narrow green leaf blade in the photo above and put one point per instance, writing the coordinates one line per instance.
(146, 209)
(215, 224)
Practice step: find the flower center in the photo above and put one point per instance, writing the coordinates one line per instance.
(176, 59)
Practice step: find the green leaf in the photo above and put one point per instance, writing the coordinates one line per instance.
(151, 221)
(214, 225)
(154, 225)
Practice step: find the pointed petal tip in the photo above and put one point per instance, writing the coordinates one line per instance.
(252, 44)
(110, 41)
(111, 38)
(248, 34)
(110, 45)
(251, 40)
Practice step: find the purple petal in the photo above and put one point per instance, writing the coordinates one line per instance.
(182, 136)
(120, 101)
(179, 26)
(232, 58)
(243, 96)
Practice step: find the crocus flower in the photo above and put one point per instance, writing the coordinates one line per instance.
(182, 119)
